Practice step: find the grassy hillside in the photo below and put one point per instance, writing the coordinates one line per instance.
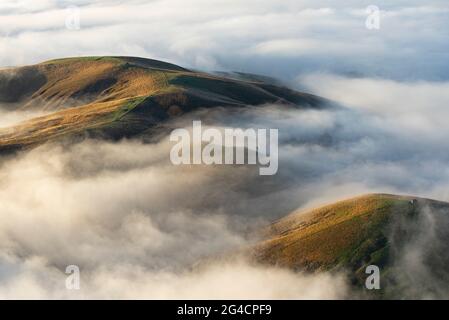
(352, 234)
(120, 96)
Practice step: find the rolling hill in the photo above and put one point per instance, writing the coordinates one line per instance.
(116, 97)
(374, 229)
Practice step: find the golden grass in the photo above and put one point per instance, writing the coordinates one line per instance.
(74, 82)
(322, 238)
(61, 122)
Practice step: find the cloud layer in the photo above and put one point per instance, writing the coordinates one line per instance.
(280, 39)
(132, 221)
(129, 218)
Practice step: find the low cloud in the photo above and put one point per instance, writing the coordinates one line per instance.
(34, 279)
(136, 226)
(413, 106)
(133, 221)
(418, 246)
(128, 217)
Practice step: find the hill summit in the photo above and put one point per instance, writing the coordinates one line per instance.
(406, 237)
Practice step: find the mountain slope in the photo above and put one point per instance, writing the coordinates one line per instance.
(375, 229)
(118, 97)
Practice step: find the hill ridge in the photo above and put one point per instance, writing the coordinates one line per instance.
(163, 90)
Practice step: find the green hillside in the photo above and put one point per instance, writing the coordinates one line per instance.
(117, 97)
(349, 235)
